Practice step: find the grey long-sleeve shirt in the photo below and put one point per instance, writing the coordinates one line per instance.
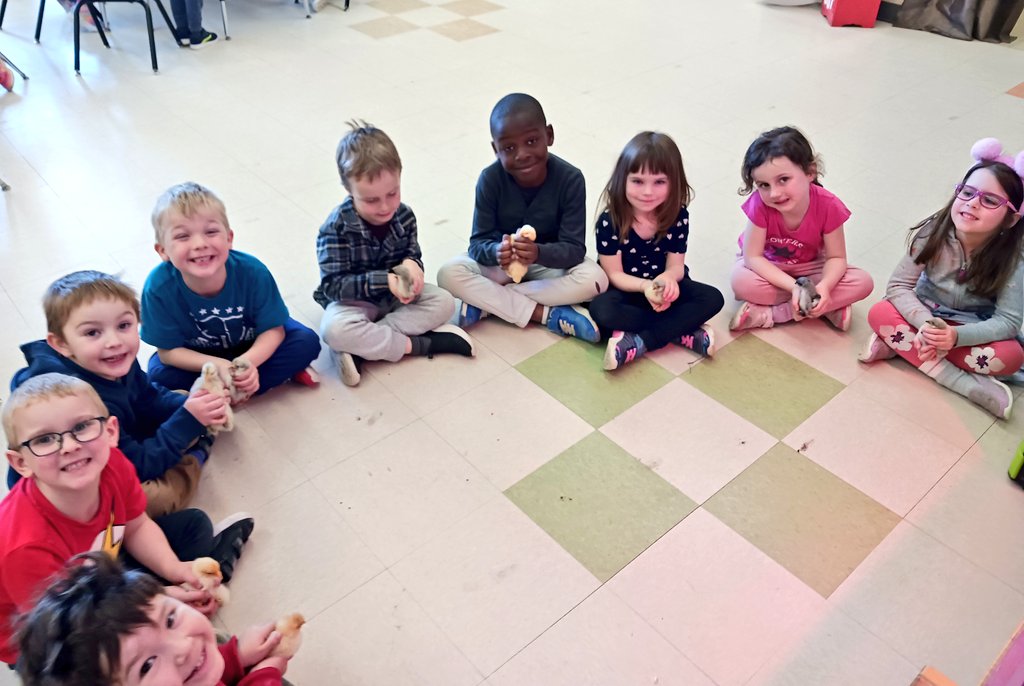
(920, 291)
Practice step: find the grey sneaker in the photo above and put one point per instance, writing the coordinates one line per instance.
(994, 396)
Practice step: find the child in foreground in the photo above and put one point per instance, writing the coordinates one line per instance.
(78, 493)
(99, 624)
(955, 302)
(641, 239)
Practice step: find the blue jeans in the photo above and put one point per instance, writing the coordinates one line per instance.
(188, 18)
(301, 345)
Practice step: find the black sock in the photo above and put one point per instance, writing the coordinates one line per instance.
(420, 345)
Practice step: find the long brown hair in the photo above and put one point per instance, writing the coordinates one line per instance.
(991, 265)
(655, 153)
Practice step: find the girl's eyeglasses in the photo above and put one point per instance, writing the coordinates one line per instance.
(989, 201)
(51, 443)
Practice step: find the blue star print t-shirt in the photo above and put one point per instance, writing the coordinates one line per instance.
(173, 316)
(642, 258)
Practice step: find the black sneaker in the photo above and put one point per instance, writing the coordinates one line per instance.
(229, 537)
(202, 40)
(449, 338)
(182, 38)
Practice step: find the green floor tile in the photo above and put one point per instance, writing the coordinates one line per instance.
(600, 504)
(764, 385)
(802, 516)
(572, 371)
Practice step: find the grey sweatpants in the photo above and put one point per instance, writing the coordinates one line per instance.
(494, 292)
(378, 333)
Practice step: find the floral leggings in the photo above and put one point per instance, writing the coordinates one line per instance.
(1000, 358)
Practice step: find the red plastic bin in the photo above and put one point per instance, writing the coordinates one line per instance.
(851, 12)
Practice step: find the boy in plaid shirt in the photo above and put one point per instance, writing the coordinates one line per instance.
(371, 268)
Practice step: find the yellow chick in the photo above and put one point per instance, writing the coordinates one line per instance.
(208, 571)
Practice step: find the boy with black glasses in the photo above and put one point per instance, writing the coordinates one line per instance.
(79, 493)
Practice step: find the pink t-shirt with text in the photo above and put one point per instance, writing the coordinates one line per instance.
(825, 214)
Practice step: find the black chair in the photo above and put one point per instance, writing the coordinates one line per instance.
(99, 24)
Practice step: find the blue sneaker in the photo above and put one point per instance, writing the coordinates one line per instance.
(469, 315)
(623, 348)
(573, 320)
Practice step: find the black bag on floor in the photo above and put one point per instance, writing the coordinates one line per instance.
(987, 20)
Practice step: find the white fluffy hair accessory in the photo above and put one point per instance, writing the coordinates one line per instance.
(990, 149)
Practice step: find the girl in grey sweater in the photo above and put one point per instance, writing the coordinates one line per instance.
(955, 302)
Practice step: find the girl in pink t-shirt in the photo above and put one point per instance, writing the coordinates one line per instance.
(795, 229)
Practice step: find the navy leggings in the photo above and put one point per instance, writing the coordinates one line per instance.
(301, 345)
(616, 310)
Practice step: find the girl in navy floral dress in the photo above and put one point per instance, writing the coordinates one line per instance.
(641, 239)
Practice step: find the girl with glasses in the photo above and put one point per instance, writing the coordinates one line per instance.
(955, 302)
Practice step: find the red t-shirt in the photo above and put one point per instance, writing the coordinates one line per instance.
(234, 673)
(37, 539)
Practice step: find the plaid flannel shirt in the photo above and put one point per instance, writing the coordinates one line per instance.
(353, 264)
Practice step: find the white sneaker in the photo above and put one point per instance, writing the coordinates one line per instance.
(348, 368)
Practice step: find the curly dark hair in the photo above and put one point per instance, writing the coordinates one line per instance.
(72, 637)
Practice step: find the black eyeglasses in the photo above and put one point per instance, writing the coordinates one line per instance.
(84, 431)
(989, 201)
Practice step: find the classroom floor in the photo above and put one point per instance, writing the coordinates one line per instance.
(779, 515)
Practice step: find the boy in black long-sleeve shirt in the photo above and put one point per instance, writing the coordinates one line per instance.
(527, 185)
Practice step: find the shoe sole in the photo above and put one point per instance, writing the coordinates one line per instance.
(1009, 399)
(711, 341)
(740, 318)
(451, 328)
(610, 363)
(347, 370)
(223, 524)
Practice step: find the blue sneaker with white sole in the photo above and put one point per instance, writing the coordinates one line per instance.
(573, 320)
(469, 315)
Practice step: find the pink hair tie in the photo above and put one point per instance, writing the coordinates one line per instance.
(991, 150)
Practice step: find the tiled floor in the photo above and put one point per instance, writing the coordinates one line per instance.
(779, 515)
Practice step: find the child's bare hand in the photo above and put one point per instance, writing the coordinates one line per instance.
(794, 301)
(824, 305)
(395, 288)
(940, 339)
(416, 273)
(256, 643)
(505, 251)
(199, 599)
(207, 408)
(247, 380)
(525, 251)
(669, 290)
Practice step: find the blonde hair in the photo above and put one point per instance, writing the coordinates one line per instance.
(365, 151)
(186, 199)
(70, 292)
(40, 389)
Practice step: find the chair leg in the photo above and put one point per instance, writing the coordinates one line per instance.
(224, 18)
(4, 186)
(7, 59)
(167, 19)
(149, 29)
(96, 19)
(39, 19)
(346, 6)
(78, 38)
(3, 11)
